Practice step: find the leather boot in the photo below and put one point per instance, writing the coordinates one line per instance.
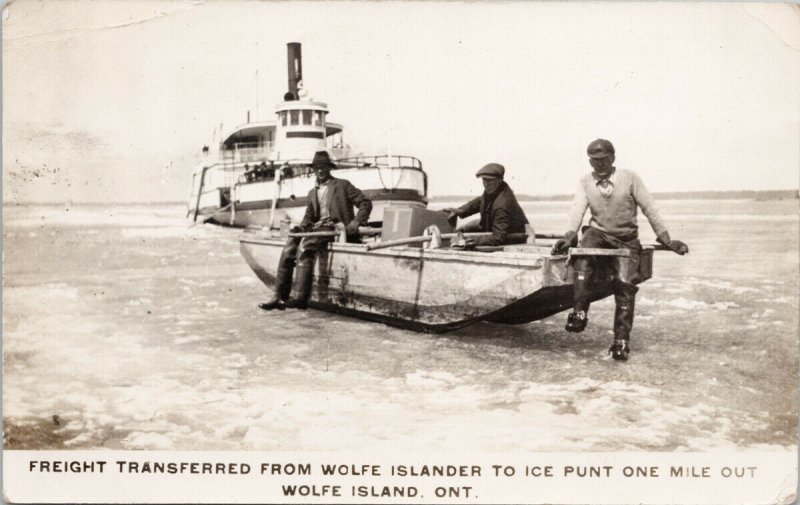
(303, 278)
(576, 322)
(283, 285)
(619, 350)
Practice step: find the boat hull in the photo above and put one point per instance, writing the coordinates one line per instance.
(431, 290)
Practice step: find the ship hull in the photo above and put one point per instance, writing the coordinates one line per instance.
(251, 203)
(431, 290)
(260, 214)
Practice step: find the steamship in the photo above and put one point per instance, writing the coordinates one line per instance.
(259, 174)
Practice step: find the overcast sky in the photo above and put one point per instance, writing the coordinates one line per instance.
(112, 100)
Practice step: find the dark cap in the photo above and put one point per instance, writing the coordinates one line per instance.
(600, 148)
(322, 159)
(491, 171)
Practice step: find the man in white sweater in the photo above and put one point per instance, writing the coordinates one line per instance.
(612, 195)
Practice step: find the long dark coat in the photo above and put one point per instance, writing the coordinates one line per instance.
(344, 196)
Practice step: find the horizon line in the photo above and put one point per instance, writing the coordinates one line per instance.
(667, 195)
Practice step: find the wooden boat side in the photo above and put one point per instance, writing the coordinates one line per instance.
(432, 290)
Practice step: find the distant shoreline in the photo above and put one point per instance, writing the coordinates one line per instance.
(763, 195)
(89, 204)
(781, 194)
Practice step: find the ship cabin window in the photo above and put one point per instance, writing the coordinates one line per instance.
(283, 118)
(320, 118)
(307, 116)
(295, 117)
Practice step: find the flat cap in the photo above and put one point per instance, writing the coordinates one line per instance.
(491, 171)
(600, 148)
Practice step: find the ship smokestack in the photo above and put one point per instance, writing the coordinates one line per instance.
(295, 66)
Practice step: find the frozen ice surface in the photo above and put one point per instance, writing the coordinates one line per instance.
(127, 328)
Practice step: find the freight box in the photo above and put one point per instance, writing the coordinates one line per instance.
(404, 222)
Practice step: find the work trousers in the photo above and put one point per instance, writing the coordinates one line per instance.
(625, 276)
(301, 253)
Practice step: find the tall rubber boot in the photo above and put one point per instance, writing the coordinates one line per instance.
(582, 281)
(283, 286)
(578, 319)
(303, 278)
(625, 300)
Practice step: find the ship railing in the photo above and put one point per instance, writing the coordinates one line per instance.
(384, 161)
(389, 162)
(298, 168)
(248, 151)
(226, 174)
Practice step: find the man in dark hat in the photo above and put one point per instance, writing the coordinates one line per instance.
(500, 212)
(331, 201)
(612, 195)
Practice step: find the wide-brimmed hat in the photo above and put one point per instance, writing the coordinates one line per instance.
(322, 159)
(600, 148)
(491, 171)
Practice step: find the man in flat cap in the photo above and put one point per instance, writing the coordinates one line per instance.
(612, 195)
(331, 201)
(500, 212)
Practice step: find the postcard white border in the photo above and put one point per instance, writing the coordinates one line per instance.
(763, 477)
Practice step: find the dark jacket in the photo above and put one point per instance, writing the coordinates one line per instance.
(500, 215)
(344, 196)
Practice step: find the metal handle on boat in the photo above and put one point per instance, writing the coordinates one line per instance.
(401, 241)
(591, 251)
(514, 236)
(303, 234)
(362, 230)
(587, 251)
(510, 235)
(428, 238)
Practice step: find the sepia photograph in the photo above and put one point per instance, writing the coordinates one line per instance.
(439, 247)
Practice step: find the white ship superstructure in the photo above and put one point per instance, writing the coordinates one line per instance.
(260, 176)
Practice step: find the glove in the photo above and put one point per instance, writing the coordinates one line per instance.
(295, 229)
(472, 242)
(570, 240)
(352, 228)
(678, 247)
(325, 224)
(451, 212)
(675, 246)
